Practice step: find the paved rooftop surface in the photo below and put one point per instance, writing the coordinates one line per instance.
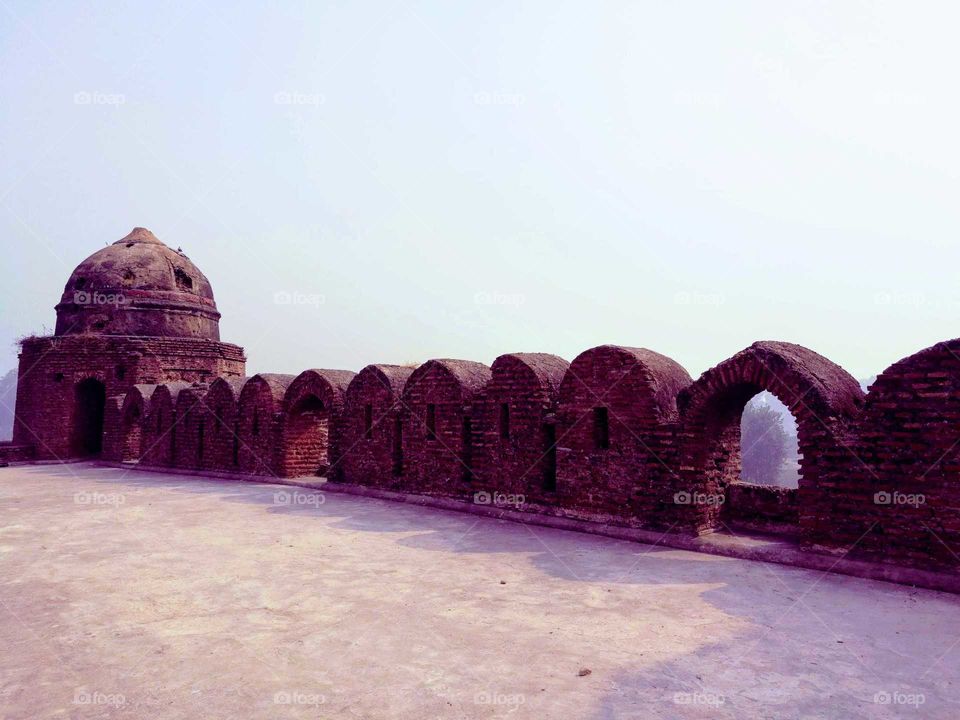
(140, 595)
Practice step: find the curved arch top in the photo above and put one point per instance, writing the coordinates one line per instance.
(602, 371)
(468, 376)
(229, 388)
(328, 385)
(139, 396)
(390, 378)
(544, 369)
(271, 385)
(805, 381)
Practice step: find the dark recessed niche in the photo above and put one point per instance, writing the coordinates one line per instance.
(58, 377)
(184, 281)
(121, 372)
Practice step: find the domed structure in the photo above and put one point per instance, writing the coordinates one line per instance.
(138, 287)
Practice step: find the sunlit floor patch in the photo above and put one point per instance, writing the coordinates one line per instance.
(130, 594)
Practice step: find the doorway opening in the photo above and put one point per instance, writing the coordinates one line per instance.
(89, 403)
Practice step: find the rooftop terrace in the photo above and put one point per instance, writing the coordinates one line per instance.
(145, 595)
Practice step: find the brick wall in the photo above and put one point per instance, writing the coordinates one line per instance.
(190, 428)
(437, 437)
(222, 436)
(260, 406)
(13, 453)
(823, 398)
(761, 508)
(515, 429)
(52, 370)
(124, 435)
(159, 426)
(311, 416)
(616, 434)
(896, 493)
(373, 423)
(637, 441)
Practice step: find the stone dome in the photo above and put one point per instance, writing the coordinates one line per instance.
(138, 286)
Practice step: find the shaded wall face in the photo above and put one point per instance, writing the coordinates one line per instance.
(899, 494)
(370, 417)
(190, 430)
(222, 440)
(156, 431)
(433, 439)
(614, 456)
(10, 453)
(258, 432)
(132, 435)
(50, 368)
(514, 455)
(710, 455)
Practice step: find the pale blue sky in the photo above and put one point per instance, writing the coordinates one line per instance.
(469, 179)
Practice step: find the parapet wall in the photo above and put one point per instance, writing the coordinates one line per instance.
(621, 436)
(10, 453)
(53, 371)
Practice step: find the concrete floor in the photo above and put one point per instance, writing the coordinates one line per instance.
(140, 595)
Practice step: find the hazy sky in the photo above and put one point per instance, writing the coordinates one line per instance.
(440, 179)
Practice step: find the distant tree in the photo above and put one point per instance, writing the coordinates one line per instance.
(8, 398)
(765, 445)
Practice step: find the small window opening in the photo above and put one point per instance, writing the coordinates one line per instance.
(431, 422)
(505, 421)
(397, 446)
(184, 281)
(236, 444)
(549, 457)
(368, 422)
(467, 449)
(601, 428)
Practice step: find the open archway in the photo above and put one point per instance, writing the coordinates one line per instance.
(769, 447)
(819, 394)
(90, 398)
(741, 486)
